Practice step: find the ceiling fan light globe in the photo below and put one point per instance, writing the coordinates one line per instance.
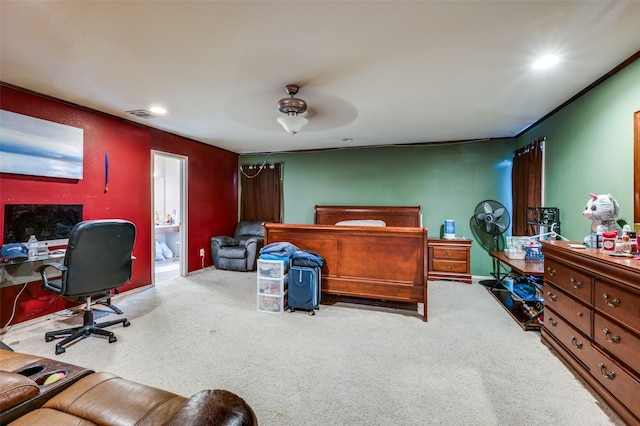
(292, 123)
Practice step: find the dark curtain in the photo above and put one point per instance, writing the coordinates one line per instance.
(526, 185)
(261, 193)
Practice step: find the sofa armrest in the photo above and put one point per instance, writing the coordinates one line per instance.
(214, 407)
(15, 389)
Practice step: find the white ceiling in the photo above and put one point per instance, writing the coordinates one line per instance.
(380, 72)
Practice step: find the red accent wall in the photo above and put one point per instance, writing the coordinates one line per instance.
(212, 189)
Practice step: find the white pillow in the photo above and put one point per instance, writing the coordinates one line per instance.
(364, 222)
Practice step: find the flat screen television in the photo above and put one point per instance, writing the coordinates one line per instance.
(50, 223)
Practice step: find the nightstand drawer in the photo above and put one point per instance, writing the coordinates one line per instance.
(449, 253)
(447, 266)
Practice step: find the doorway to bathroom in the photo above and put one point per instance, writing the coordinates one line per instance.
(169, 214)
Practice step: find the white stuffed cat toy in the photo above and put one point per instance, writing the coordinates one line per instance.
(602, 210)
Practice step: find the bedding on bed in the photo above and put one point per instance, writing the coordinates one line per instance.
(363, 222)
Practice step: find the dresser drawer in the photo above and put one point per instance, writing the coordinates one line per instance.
(618, 341)
(573, 281)
(620, 382)
(448, 266)
(619, 303)
(575, 342)
(573, 311)
(449, 253)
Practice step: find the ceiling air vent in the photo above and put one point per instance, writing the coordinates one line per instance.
(141, 113)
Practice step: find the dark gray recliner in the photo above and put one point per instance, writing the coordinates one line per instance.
(238, 253)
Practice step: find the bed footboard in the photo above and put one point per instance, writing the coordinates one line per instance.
(388, 263)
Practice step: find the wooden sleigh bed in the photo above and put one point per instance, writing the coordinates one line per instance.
(378, 262)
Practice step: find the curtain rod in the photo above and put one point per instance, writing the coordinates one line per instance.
(530, 146)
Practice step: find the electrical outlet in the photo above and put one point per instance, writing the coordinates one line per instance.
(202, 252)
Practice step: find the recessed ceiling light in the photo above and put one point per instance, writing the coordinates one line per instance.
(546, 61)
(347, 140)
(158, 110)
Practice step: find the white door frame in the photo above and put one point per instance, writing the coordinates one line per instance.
(183, 214)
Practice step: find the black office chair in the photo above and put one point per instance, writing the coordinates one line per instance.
(98, 259)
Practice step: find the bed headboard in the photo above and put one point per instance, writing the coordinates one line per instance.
(392, 215)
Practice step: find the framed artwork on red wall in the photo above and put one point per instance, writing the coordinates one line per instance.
(31, 146)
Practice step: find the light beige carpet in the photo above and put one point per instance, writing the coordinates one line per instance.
(350, 364)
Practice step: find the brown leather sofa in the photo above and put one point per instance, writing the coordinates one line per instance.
(41, 391)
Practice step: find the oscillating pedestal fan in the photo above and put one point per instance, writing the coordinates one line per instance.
(491, 218)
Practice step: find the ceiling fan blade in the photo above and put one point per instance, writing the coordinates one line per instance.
(487, 208)
(498, 212)
(481, 216)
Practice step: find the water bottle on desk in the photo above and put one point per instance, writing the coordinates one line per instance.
(32, 245)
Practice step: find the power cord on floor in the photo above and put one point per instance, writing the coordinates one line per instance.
(15, 304)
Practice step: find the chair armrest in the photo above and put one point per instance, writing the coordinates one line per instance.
(255, 240)
(214, 407)
(42, 269)
(225, 241)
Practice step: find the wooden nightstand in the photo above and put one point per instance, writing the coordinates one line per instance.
(450, 259)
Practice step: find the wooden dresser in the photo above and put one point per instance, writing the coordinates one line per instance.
(450, 259)
(592, 321)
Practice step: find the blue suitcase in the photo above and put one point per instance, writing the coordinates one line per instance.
(304, 288)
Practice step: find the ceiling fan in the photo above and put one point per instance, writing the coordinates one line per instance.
(292, 108)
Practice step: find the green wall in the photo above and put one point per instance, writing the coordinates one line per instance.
(447, 182)
(589, 149)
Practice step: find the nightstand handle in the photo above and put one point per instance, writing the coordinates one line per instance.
(575, 342)
(551, 272)
(552, 296)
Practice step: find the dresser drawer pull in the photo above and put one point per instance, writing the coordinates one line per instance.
(575, 342)
(449, 253)
(448, 266)
(614, 339)
(576, 284)
(613, 304)
(552, 296)
(553, 322)
(580, 314)
(551, 272)
(610, 375)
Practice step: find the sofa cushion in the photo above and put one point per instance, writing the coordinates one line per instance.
(15, 389)
(214, 407)
(103, 398)
(47, 416)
